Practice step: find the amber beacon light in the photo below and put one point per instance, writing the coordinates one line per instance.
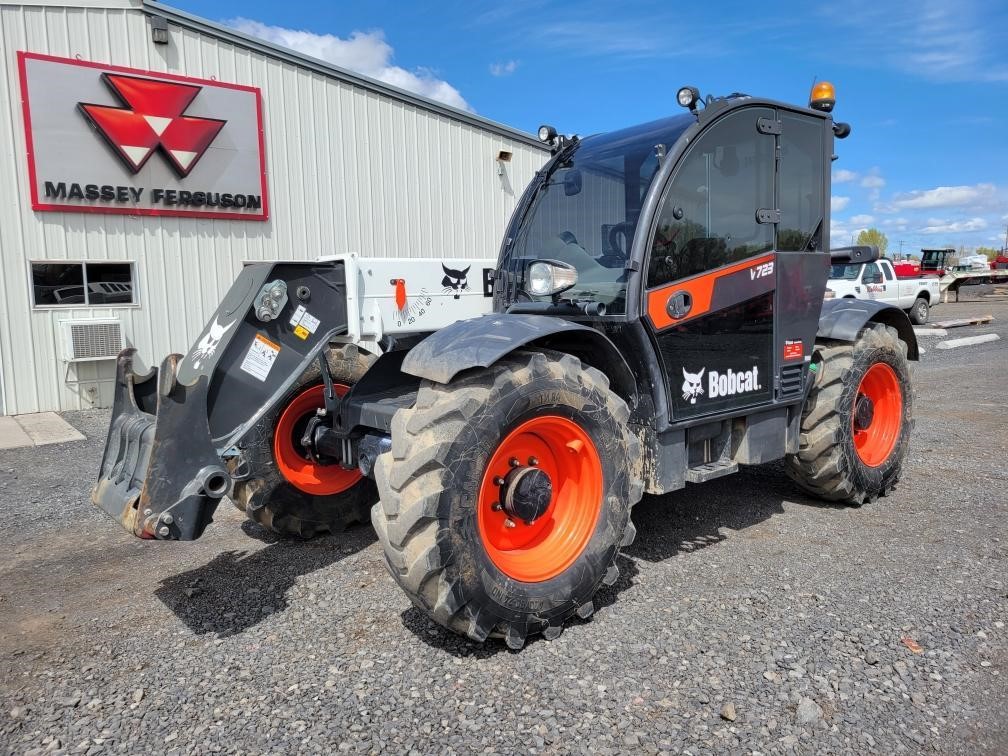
(823, 96)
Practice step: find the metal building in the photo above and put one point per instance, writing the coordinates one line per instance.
(148, 154)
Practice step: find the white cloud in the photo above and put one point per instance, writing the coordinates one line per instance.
(862, 220)
(931, 39)
(838, 203)
(503, 69)
(843, 175)
(938, 226)
(366, 53)
(873, 182)
(945, 196)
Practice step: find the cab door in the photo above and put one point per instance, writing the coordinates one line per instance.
(711, 272)
(875, 285)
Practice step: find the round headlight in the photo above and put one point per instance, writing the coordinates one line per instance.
(687, 96)
(547, 133)
(540, 279)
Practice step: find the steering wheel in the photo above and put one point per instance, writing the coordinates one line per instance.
(620, 229)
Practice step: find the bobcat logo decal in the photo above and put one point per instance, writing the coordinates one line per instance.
(692, 386)
(207, 346)
(455, 281)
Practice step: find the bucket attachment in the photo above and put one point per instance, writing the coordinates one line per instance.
(161, 476)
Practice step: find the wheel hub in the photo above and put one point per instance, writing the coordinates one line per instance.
(526, 493)
(864, 412)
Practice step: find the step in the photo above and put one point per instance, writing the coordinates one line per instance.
(710, 471)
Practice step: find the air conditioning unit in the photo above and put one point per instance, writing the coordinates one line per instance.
(91, 340)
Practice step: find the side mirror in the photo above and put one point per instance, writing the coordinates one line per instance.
(572, 182)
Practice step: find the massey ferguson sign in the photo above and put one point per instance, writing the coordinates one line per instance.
(105, 139)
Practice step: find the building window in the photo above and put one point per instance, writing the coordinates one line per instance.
(79, 284)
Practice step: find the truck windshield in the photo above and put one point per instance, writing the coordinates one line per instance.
(845, 271)
(586, 211)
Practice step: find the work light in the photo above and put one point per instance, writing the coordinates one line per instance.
(688, 96)
(547, 133)
(547, 277)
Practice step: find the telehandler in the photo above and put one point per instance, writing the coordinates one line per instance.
(655, 317)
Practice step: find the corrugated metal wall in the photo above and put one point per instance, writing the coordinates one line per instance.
(350, 170)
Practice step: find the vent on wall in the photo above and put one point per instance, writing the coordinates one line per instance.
(91, 340)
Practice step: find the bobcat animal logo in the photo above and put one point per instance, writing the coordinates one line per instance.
(455, 281)
(207, 346)
(692, 386)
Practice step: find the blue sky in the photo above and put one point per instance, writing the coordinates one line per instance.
(924, 85)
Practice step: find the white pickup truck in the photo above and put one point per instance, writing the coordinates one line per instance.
(876, 279)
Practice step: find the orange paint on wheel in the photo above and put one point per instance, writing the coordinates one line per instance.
(294, 464)
(876, 441)
(537, 551)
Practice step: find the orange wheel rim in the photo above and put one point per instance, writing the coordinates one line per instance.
(539, 550)
(878, 414)
(294, 464)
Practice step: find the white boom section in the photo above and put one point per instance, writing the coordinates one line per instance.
(407, 294)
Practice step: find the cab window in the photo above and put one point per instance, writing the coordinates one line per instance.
(708, 214)
(872, 274)
(887, 271)
(800, 183)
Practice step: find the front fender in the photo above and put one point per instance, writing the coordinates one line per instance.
(843, 319)
(481, 342)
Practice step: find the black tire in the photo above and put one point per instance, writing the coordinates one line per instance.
(265, 495)
(827, 464)
(919, 312)
(428, 485)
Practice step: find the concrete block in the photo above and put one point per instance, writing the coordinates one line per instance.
(968, 341)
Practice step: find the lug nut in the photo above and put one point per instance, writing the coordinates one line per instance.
(533, 461)
(509, 524)
(496, 506)
(514, 462)
(498, 480)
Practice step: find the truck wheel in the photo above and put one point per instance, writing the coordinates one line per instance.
(506, 496)
(919, 311)
(857, 420)
(285, 491)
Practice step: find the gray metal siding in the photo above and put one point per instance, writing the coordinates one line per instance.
(349, 170)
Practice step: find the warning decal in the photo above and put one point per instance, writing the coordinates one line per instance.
(304, 323)
(260, 357)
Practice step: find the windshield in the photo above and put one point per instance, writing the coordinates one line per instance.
(845, 271)
(585, 213)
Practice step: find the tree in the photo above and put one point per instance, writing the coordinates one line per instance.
(872, 237)
(990, 252)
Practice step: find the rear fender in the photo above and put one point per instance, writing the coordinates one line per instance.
(483, 341)
(843, 319)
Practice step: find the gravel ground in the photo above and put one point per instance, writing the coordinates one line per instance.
(747, 618)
